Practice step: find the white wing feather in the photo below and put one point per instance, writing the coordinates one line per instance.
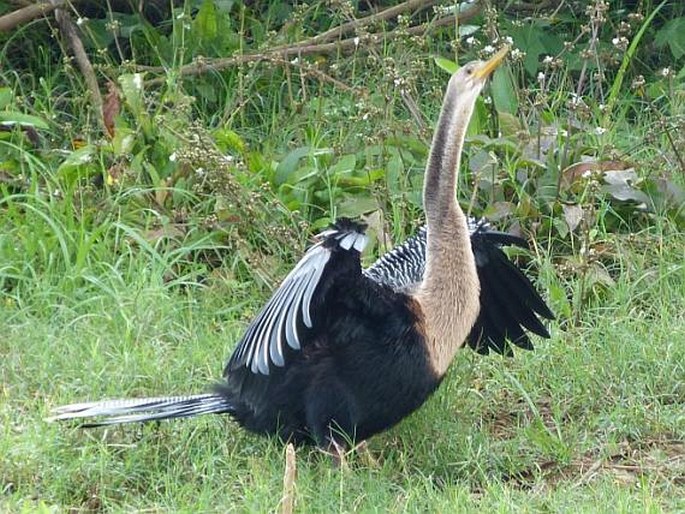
(277, 323)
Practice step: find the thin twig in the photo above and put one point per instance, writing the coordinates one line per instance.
(324, 77)
(68, 30)
(355, 25)
(23, 15)
(674, 147)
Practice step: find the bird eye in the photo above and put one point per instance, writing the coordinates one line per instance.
(469, 71)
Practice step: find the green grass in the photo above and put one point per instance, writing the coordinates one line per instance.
(592, 419)
(93, 305)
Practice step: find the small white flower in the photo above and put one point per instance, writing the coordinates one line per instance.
(541, 77)
(356, 41)
(615, 41)
(509, 40)
(666, 72)
(172, 157)
(600, 130)
(470, 40)
(489, 49)
(548, 59)
(517, 54)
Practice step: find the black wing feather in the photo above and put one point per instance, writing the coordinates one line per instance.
(508, 300)
(283, 323)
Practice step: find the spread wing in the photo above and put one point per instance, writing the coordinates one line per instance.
(509, 303)
(286, 318)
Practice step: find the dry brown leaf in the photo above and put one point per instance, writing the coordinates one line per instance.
(110, 108)
(573, 214)
(571, 174)
(169, 231)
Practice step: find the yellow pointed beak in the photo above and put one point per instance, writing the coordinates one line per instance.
(491, 64)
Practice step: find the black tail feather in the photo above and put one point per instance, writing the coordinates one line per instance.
(113, 412)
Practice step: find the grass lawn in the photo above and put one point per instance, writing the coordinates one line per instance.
(593, 420)
(132, 258)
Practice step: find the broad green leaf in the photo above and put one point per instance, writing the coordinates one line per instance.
(362, 180)
(557, 294)
(480, 114)
(11, 118)
(228, 140)
(394, 171)
(345, 164)
(78, 157)
(206, 25)
(132, 88)
(413, 144)
(509, 124)
(124, 140)
(673, 35)
(445, 64)
(77, 163)
(355, 206)
(6, 97)
(503, 91)
(289, 164)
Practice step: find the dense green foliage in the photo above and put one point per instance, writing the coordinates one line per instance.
(135, 244)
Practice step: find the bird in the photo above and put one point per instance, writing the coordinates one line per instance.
(340, 353)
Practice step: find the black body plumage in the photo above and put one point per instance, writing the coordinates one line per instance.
(361, 363)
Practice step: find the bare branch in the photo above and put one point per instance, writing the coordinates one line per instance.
(68, 30)
(386, 14)
(25, 14)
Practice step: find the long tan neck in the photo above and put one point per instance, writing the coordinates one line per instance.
(449, 293)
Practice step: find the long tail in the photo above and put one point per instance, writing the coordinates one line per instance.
(115, 412)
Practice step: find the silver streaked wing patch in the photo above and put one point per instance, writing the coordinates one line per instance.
(402, 268)
(277, 323)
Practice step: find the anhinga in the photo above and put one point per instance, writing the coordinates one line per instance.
(340, 353)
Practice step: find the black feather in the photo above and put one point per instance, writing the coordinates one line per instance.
(509, 301)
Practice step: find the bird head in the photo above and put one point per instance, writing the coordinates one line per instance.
(470, 78)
